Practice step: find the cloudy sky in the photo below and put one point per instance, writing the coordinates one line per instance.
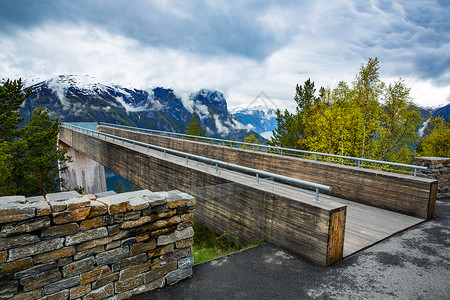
(241, 48)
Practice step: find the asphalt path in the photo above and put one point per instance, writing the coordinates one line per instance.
(414, 264)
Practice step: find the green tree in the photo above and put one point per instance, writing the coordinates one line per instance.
(28, 156)
(287, 133)
(195, 127)
(251, 139)
(367, 91)
(399, 119)
(437, 142)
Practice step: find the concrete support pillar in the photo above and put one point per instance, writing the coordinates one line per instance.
(83, 172)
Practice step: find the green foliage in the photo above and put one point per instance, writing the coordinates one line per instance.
(209, 245)
(437, 142)
(120, 187)
(288, 131)
(29, 156)
(369, 119)
(195, 127)
(251, 139)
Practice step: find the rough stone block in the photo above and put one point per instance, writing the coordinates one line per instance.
(97, 209)
(17, 241)
(53, 255)
(164, 223)
(105, 194)
(61, 285)
(113, 229)
(74, 203)
(40, 280)
(57, 296)
(88, 252)
(61, 230)
(36, 270)
(16, 266)
(129, 283)
(113, 245)
(134, 270)
(79, 291)
(177, 254)
(184, 243)
(112, 256)
(42, 208)
(156, 199)
(112, 219)
(78, 267)
(101, 293)
(58, 206)
(104, 281)
(129, 261)
(138, 203)
(13, 199)
(64, 261)
(176, 236)
(95, 274)
(33, 249)
(88, 235)
(128, 242)
(147, 287)
(91, 223)
(94, 243)
(116, 204)
(177, 275)
(3, 256)
(155, 274)
(25, 226)
(8, 288)
(33, 295)
(139, 222)
(12, 212)
(143, 237)
(61, 196)
(71, 216)
(164, 231)
(186, 262)
(160, 251)
(35, 199)
(142, 247)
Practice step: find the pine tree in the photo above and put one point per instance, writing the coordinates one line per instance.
(287, 133)
(195, 127)
(28, 156)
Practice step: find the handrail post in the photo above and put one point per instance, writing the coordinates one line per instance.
(415, 172)
(217, 168)
(358, 162)
(148, 148)
(165, 153)
(281, 152)
(315, 157)
(257, 179)
(187, 160)
(316, 199)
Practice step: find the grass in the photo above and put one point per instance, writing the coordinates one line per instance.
(209, 245)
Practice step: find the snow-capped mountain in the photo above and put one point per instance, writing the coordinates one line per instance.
(82, 99)
(261, 119)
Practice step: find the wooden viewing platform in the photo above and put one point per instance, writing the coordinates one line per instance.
(231, 201)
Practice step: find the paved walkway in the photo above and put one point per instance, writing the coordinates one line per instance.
(414, 264)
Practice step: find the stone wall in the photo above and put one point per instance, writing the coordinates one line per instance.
(69, 246)
(438, 168)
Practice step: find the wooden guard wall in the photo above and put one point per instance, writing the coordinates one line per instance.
(396, 192)
(312, 230)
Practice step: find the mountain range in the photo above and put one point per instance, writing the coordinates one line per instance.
(80, 99)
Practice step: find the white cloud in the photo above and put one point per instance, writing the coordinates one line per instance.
(324, 41)
(221, 128)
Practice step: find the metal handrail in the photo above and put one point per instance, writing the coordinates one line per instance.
(215, 162)
(357, 160)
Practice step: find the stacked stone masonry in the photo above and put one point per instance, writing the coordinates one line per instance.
(439, 169)
(69, 246)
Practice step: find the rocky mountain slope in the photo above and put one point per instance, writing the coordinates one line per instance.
(81, 99)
